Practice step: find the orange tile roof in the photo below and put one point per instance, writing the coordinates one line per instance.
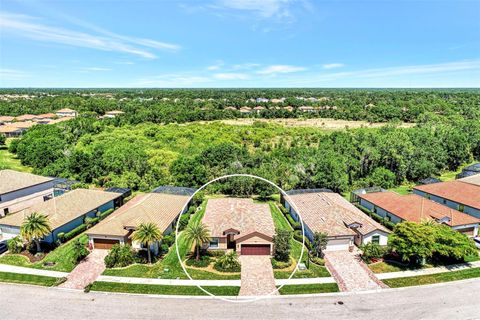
(461, 192)
(9, 129)
(330, 213)
(6, 118)
(416, 208)
(240, 214)
(25, 117)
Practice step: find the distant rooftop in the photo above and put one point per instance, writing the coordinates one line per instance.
(11, 180)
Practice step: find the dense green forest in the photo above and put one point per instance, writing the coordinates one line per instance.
(144, 156)
(185, 105)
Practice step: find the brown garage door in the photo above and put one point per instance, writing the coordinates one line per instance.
(255, 249)
(104, 243)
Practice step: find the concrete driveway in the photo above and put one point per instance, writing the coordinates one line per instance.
(87, 271)
(257, 276)
(350, 272)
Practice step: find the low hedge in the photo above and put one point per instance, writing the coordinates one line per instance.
(203, 262)
(295, 225)
(71, 234)
(317, 260)
(183, 221)
(390, 225)
(105, 214)
(281, 264)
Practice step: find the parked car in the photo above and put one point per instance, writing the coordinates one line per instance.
(3, 247)
(477, 241)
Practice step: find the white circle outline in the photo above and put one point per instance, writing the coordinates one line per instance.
(292, 204)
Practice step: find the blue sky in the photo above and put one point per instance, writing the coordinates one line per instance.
(240, 43)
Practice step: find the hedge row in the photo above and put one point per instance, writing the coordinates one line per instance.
(89, 222)
(390, 225)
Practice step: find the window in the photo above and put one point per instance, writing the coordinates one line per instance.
(213, 243)
(5, 211)
(388, 218)
(461, 208)
(0, 198)
(376, 239)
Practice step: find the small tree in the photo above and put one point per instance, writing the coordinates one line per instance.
(79, 251)
(147, 234)
(371, 251)
(197, 233)
(228, 263)
(319, 244)
(412, 241)
(120, 256)
(281, 242)
(34, 228)
(452, 244)
(15, 245)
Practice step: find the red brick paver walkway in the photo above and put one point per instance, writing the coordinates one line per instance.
(87, 271)
(257, 276)
(350, 271)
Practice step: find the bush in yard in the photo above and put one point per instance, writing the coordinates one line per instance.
(216, 253)
(281, 243)
(15, 245)
(90, 222)
(104, 214)
(228, 263)
(164, 249)
(202, 263)
(198, 198)
(317, 260)
(2, 139)
(295, 225)
(183, 221)
(319, 244)
(281, 264)
(169, 239)
(79, 251)
(71, 234)
(372, 251)
(451, 245)
(120, 256)
(61, 237)
(413, 242)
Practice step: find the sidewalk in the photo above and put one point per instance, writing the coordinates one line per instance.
(38, 272)
(427, 271)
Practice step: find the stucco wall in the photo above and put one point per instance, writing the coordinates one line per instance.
(383, 238)
(24, 198)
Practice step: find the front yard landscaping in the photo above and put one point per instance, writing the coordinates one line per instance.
(309, 288)
(29, 279)
(433, 278)
(59, 259)
(163, 289)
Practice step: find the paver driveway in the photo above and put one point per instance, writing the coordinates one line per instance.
(257, 276)
(350, 272)
(87, 271)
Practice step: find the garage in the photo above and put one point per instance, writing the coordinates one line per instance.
(104, 243)
(255, 249)
(338, 244)
(467, 231)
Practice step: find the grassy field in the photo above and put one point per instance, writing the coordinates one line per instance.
(62, 257)
(9, 160)
(163, 289)
(28, 279)
(433, 278)
(314, 271)
(309, 288)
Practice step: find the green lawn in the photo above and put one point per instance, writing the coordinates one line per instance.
(169, 267)
(314, 271)
(61, 256)
(163, 289)
(309, 288)
(9, 160)
(383, 267)
(28, 279)
(433, 278)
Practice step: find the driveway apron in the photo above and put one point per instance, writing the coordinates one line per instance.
(257, 276)
(87, 271)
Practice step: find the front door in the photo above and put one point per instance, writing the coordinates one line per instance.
(230, 242)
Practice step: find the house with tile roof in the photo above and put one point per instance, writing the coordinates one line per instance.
(473, 179)
(19, 190)
(160, 208)
(239, 224)
(328, 212)
(66, 112)
(64, 213)
(10, 131)
(458, 194)
(412, 207)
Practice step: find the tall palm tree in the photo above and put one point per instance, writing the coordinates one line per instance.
(198, 233)
(35, 227)
(147, 234)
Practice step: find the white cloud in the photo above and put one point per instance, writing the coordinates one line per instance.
(332, 65)
(95, 69)
(279, 9)
(218, 65)
(29, 27)
(230, 76)
(12, 74)
(280, 69)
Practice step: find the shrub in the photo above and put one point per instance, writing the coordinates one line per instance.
(15, 245)
(169, 239)
(281, 264)
(202, 263)
(164, 248)
(228, 263)
(372, 251)
(317, 260)
(120, 256)
(282, 245)
(61, 237)
(216, 253)
(320, 241)
(69, 235)
(91, 221)
(298, 235)
(295, 225)
(198, 198)
(106, 213)
(183, 221)
(79, 251)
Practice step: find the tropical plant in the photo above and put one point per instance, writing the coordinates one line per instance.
(119, 256)
(147, 234)
(228, 263)
(197, 233)
(79, 251)
(281, 242)
(414, 242)
(319, 244)
(15, 245)
(371, 251)
(34, 228)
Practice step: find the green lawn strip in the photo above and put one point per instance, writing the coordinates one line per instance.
(28, 279)
(433, 278)
(163, 289)
(383, 267)
(62, 257)
(309, 288)
(10, 161)
(169, 267)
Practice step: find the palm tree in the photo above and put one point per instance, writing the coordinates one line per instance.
(198, 233)
(147, 234)
(35, 227)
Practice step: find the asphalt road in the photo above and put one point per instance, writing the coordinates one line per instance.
(455, 300)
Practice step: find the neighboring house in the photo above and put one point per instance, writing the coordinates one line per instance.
(397, 208)
(45, 118)
(458, 195)
(469, 171)
(240, 225)
(245, 110)
(306, 109)
(65, 212)
(159, 208)
(19, 190)
(23, 125)
(259, 109)
(473, 179)
(113, 113)
(10, 131)
(66, 113)
(6, 119)
(25, 117)
(328, 212)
